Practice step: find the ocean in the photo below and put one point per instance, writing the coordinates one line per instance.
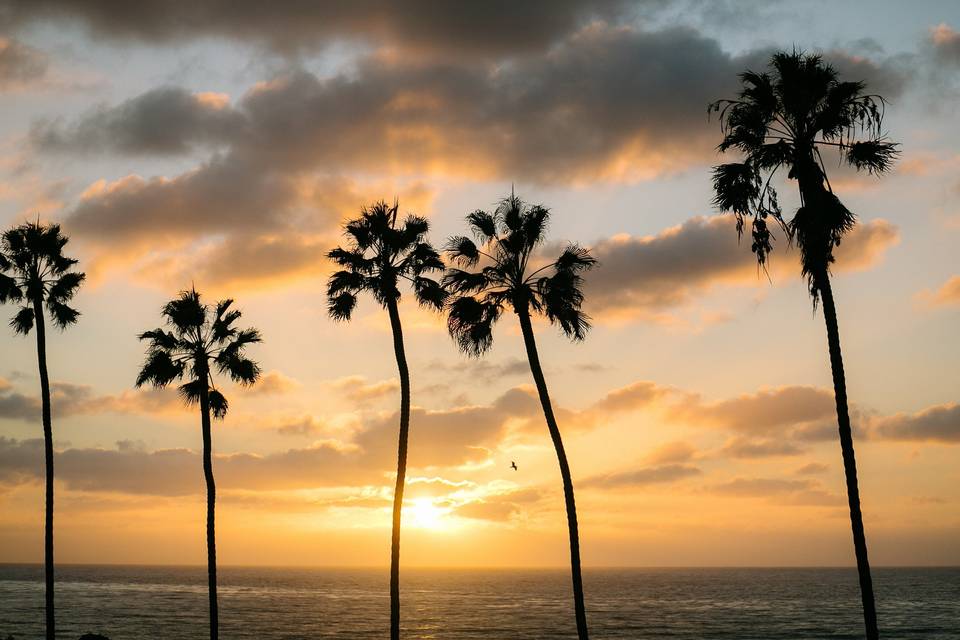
(169, 603)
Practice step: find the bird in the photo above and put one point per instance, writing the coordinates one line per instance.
(513, 465)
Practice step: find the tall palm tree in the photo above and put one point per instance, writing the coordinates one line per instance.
(200, 340)
(507, 273)
(381, 251)
(34, 273)
(783, 119)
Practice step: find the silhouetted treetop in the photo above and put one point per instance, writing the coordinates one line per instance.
(33, 268)
(201, 338)
(782, 118)
(379, 254)
(500, 267)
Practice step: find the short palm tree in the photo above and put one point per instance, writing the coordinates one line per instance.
(504, 273)
(381, 252)
(200, 340)
(783, 119)
(35, 274)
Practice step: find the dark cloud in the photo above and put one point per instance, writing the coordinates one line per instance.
(20, 65)
(765, 412)
(640, 274)
(166, 120)
(493, 27)
(641, 477)
(940, 423)
(73, 399)
(634, 396)
(768, 448)
(812, 468)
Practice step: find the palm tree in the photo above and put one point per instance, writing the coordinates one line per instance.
(201, 339)
(33, 273)
(503, 276)
(783, 119)
(380, 254)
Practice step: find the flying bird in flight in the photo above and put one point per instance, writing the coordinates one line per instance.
(513, 465)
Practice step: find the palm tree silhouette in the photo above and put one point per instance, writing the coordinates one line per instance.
(503, 276)
(783, 119)
(380, 254)
(201, 339)
(33, 273)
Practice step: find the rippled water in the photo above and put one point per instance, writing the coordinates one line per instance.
(134, 603)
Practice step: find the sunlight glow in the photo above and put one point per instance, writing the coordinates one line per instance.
(423, 514)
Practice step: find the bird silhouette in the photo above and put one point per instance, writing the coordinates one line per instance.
(513, 465)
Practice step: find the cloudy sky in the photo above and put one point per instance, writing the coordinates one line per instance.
(223, 143)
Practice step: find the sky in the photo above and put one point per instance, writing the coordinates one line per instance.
(222, 145)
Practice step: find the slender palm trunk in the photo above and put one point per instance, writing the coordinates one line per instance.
(48, 457)
(849, 460)
(401, 468)
(530, 342)
(211, 505)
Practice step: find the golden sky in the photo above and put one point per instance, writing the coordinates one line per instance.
(225, 148)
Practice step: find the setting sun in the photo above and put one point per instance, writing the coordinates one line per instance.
(424, 514)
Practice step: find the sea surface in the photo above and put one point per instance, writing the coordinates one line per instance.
(170, 603)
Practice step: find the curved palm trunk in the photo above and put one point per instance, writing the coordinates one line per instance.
(849, 460)
(48, 457)
(401, 468)
(211, 505)
(532, 356)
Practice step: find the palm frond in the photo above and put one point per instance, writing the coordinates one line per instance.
(465, 282)
(9, 291)
(191, 391)
(483, 224)
(159, 369)
(187, 313)
(873, 156)
(62, 315)
(22, 323)
(341, 307)
(429, 292)
(575, 258)
(65, 287)
(470, 323)
(218, 404)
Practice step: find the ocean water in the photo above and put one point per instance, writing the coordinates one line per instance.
(169, 603)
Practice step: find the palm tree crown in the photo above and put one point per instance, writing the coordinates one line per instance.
(502, 274)
(380, 254)
(783, 119)
(198, 337)
(34, 269)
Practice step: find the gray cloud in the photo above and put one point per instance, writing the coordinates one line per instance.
(166, 120)
(494, 27)
(641, 477)
(767, 411)
(20, 64)
(668, 269)
(767, 448)
(940, 423)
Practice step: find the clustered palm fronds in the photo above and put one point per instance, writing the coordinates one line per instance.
(33, 269)
(199, 336)
(500, 271)
(380, 254)
(783, 119)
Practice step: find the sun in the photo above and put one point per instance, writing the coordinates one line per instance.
(423, 514)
